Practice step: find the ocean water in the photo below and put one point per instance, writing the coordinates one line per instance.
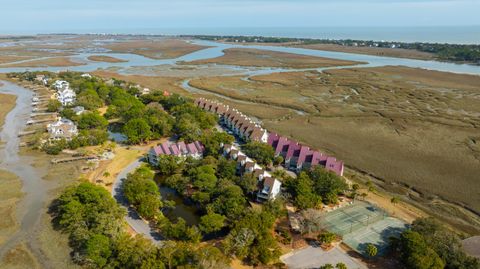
(437, 34)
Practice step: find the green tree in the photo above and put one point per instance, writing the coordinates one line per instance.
(187, 128)
(302, 190)
(228, 200)
(251, 238)
(92, 120)
(212, 140)
(371, 250)
(205, 181)
(68, 113)
(54, 105)
(137, 131)
(445, 243)
(326, 182)
(97, 250)
(340, 265)
(416, 254)
(142, 192)
(248, 182)
(261, 152)
(54, 147)
(326, 237)
(92, 219)
(278, 160)
(137, 252)
(226, 168)
(169, 164)
(210, 257)
(89, 99)
(212, 222)
(160, 122)
(327, 266)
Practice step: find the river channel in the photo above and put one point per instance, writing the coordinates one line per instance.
(35, 188)
(216, 50)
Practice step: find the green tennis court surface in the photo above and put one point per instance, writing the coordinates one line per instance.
(362, 223)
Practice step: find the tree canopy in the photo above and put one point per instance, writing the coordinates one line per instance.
(263, 153)
(142, 192)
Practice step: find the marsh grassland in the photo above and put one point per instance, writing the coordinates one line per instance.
(264, 58)
(156, 49)
(47, 62)
(10, 195)
(104, 58)
(409, 126)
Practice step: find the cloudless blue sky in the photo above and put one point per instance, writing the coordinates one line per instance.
(24, 16)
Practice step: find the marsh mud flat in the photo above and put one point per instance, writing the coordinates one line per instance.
(34, 187)
(191, 89)
(131, 62)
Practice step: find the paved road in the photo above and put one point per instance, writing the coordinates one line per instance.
(314, 257)
(133, 219)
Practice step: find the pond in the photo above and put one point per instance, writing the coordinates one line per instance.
(182, 210)
(117, 137)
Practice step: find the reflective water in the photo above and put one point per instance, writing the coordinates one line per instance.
(33, 186)
(216, 50)
(181, 210)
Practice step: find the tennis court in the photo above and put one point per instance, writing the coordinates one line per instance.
(352, 217)
(362, 223)
(377, 233)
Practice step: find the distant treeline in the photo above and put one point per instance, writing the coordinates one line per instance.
(447, 52)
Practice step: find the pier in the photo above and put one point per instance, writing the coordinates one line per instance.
(73, 159)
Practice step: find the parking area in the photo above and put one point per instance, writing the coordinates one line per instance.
(314, 257)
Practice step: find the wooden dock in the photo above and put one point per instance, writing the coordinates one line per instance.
(27, 133)
(36, 114)
(73, 159)
(31, 122)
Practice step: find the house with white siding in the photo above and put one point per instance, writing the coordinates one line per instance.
(62, 129)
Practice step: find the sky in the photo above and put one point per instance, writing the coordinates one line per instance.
(48, 16)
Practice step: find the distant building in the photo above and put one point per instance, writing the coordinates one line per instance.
(298, 157)
(270, 186)
(61, 85)
(78, 110)
(240, 124)
(64, 94)
(67, 97)
(180, 149)
(62, 128)
(86, 75)
(42, 78)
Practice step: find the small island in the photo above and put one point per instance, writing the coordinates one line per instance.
(104, 58)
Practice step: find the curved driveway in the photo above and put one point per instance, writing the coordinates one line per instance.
(133, 219)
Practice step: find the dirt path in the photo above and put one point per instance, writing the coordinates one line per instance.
(400, 210)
